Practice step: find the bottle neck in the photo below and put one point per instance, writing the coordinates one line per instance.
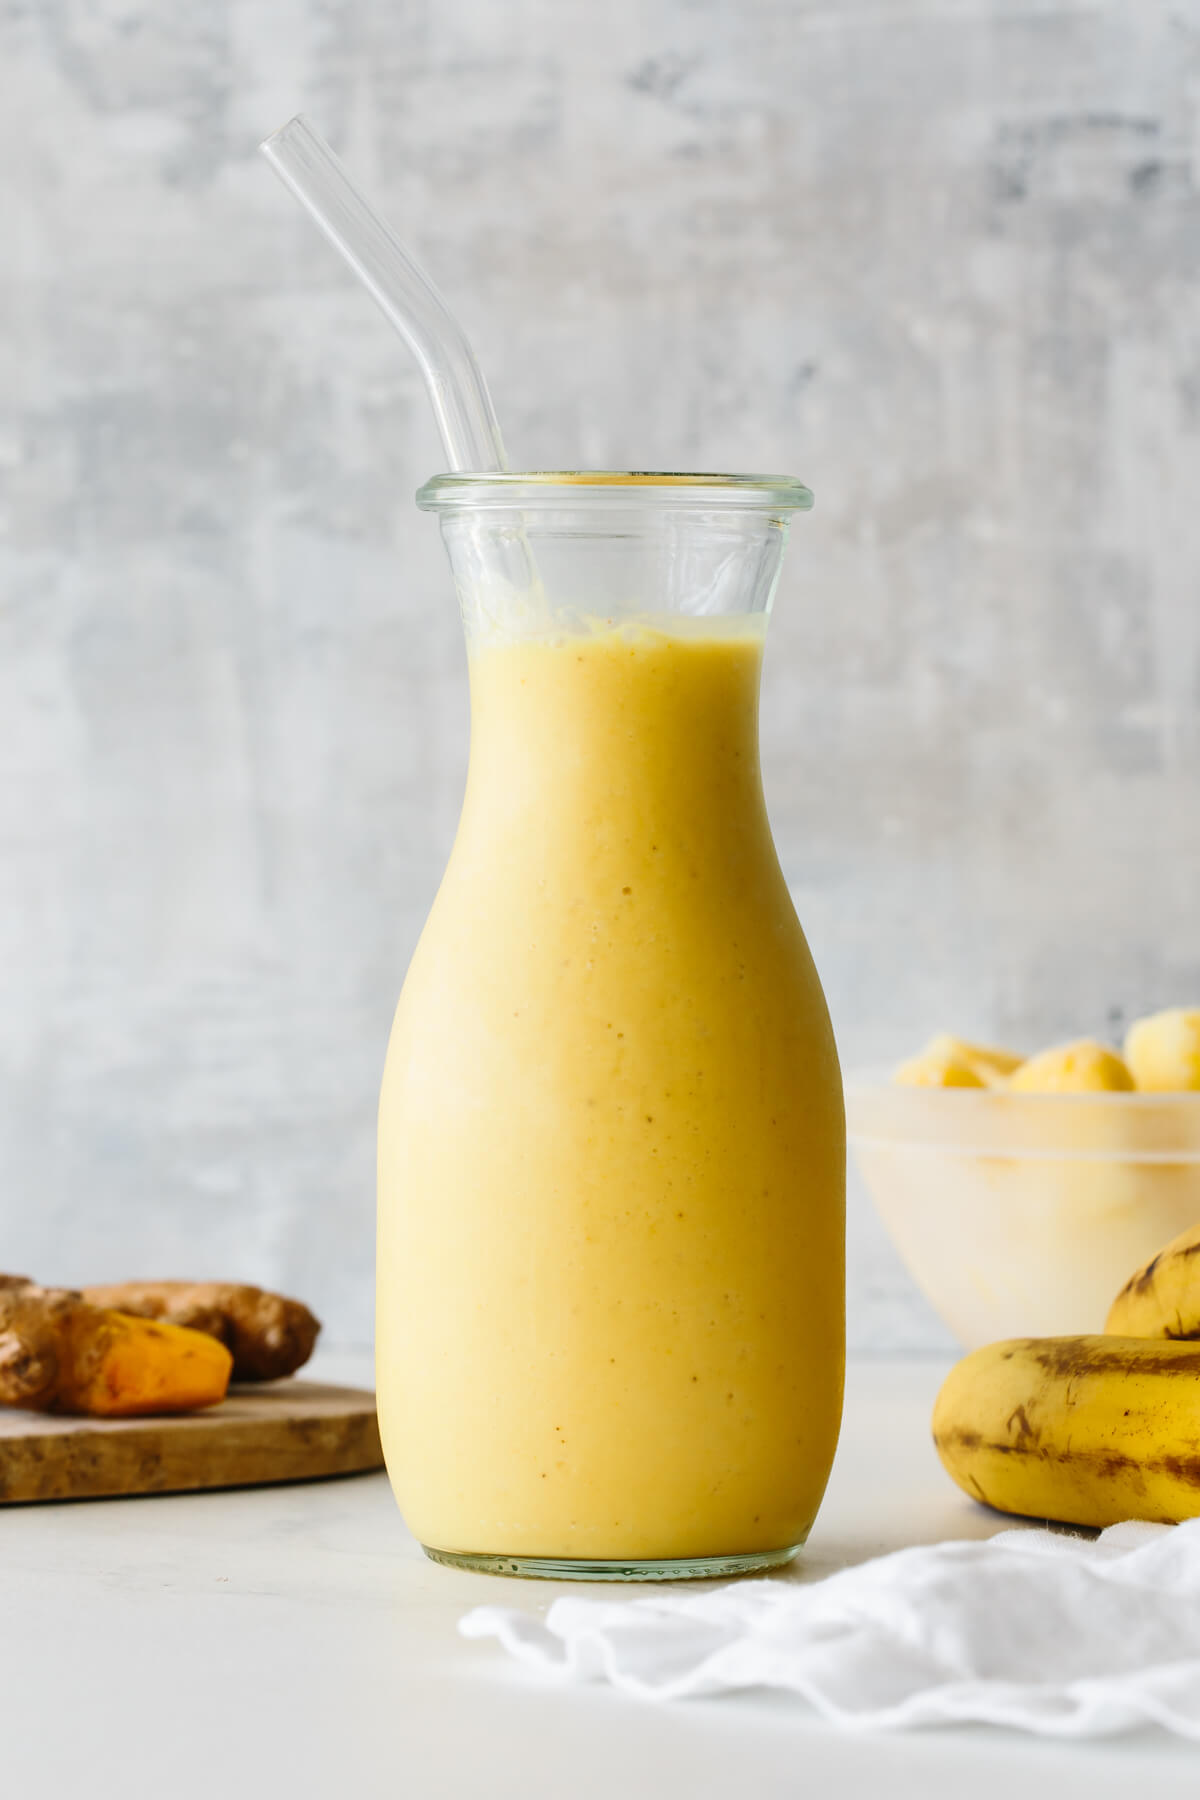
(571, 556)
(625, 726)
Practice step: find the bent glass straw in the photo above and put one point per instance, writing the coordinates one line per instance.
(400, 287)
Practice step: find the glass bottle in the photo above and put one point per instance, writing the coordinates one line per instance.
(610, 1314)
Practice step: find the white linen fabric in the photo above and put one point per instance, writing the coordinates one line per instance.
(1032, 1629)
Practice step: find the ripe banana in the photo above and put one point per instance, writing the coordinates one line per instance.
(1085, 1430)
(1163, 1299)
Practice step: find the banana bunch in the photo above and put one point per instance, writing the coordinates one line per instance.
(1088, 1430)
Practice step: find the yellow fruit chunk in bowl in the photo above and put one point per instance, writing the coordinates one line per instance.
(939, 1068)
(951, 1062)
(1081, 1067)
(1163, 1051)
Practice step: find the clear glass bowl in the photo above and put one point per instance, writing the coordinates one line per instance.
(1022, 1215)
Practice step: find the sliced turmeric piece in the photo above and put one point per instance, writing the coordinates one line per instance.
(270, 1336)
(60, 1354)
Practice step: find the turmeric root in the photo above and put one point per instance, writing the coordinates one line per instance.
(268, 1335)
(60, 1354)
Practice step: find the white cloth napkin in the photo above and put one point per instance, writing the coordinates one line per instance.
(1032, 1629)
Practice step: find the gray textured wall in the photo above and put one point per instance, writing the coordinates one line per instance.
(939, 259)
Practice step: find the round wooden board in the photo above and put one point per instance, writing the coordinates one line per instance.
(287, 1431)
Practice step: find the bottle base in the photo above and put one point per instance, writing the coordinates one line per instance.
(565, 1568)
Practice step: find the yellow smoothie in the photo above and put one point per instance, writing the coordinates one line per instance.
(611, 1151)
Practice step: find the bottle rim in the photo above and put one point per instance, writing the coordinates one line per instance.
(564, 489)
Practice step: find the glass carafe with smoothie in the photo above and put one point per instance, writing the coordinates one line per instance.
(611, 1148)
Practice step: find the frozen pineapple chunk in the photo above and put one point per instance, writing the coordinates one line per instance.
(990, 1063)
(938, 1065)
(1081, 1067)
(951, 1062)
(1163, 1051)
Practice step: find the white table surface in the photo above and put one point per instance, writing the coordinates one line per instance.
(294, 1641)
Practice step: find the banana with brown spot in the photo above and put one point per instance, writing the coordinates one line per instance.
(1083, 1430)
(1162, 1300)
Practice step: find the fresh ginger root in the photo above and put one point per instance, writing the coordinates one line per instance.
(268, 1335)
(60, 1354)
